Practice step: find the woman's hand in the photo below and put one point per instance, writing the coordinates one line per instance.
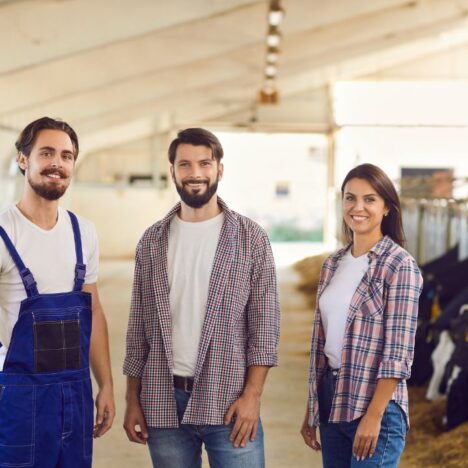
(367, 434)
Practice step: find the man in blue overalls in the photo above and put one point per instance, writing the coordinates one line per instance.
(48, 301)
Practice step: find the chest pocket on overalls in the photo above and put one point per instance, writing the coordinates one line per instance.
(57, 344)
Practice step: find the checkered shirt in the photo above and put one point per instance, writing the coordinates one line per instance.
(379, 334)
(241, 326)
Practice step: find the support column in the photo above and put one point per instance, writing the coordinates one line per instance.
(10, 183)
(330, 218)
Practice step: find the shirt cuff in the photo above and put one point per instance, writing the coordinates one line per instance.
(255, 358)
(314, 420)
(391, 369)
(133, 367)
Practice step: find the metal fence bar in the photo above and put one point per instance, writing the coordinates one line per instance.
(434, 226)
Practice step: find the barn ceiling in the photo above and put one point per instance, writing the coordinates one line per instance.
(119, 70)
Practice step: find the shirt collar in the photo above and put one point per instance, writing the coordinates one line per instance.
(377, 250)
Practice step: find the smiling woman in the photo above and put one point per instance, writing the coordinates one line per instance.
(363, 335)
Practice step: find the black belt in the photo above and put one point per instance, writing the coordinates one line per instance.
(183, 383)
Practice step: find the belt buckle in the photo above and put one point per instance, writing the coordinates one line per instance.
(186, 382)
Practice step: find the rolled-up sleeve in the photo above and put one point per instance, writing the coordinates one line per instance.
(137, 346)
(401, 314)
(263, 312)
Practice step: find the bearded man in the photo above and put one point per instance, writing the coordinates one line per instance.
(204, 322)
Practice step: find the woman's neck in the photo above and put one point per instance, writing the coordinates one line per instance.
(362, 244)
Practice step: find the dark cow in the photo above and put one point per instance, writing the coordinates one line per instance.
(452, 310)
(457, 398)
(443, 281)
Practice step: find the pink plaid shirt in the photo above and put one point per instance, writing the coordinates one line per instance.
(241, 326)
(379, 334)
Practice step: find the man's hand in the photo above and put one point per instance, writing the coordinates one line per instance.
(105, 411)
(134, 417)
(309, 433)
(367, 434)
(100, 364)
(246, 410)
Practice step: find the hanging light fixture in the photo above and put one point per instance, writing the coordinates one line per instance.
(275, 14)
(273, 36)
(272, 54)
(268, 93)
(270, 70)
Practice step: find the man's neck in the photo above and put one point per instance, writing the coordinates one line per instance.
(41, 212)
(195, 215)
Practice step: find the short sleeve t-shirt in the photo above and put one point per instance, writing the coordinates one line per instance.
(49, 255)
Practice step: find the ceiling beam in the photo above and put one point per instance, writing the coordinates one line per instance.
(311, 49)
(40, 32)
(216, 86)
(111, 64)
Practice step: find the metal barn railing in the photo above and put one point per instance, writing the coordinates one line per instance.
(434, 226)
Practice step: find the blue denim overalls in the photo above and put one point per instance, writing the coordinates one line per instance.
(46, 403)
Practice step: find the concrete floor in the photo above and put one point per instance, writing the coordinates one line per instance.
(284, 399)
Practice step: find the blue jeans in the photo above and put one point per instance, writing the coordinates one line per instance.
(337, 438)
(182, 447)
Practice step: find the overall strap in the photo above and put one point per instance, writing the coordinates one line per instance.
(80, 268)
(27, 277)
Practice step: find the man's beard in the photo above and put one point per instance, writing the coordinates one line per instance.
(49, 192)
(196, 200)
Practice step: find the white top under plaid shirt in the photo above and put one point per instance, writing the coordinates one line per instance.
(241, 326)
(379, 334)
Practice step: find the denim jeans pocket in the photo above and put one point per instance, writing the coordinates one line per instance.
(402, 416)
(17, 414)
(395, 422)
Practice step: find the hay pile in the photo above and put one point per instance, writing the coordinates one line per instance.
(427, 445)
(309, 269)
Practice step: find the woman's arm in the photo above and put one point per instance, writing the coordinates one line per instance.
(400, 315)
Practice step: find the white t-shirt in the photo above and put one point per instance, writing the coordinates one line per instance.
(49, 255)
(191, 253)
(335, 301)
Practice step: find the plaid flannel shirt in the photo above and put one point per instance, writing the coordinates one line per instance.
(379, 334)
(241, 326)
